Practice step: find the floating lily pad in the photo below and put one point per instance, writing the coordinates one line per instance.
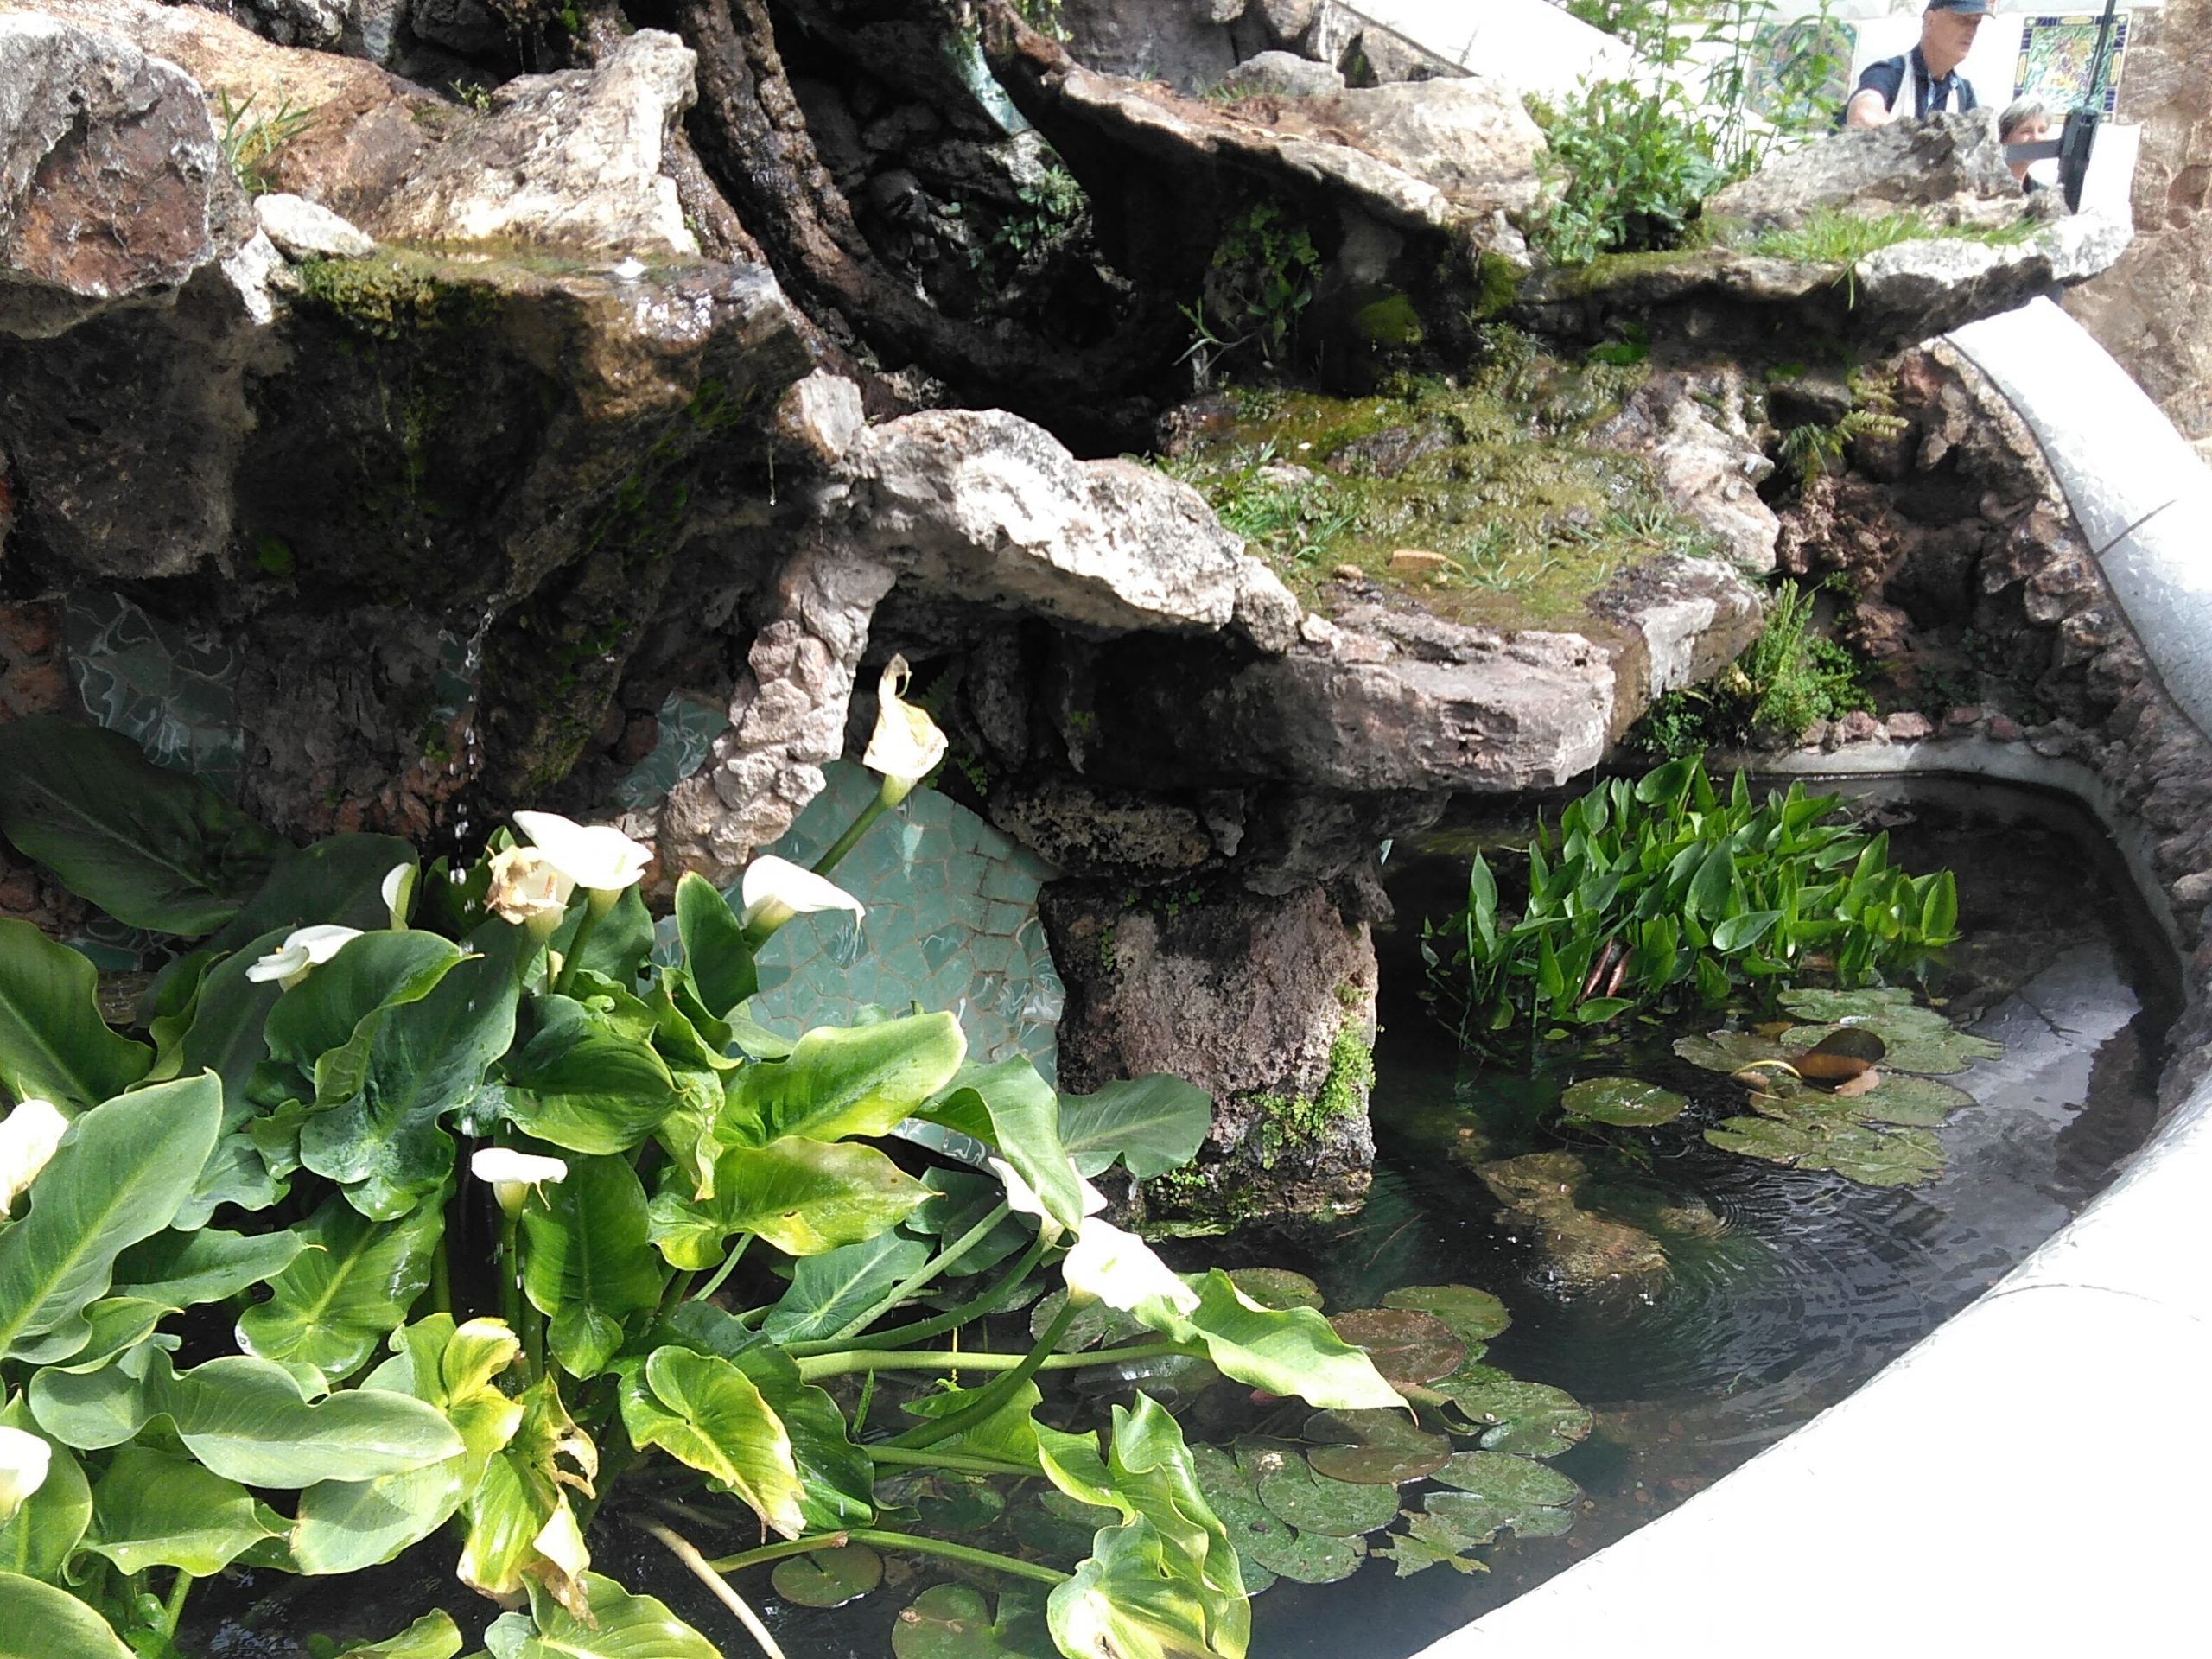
(1729, 1051)
(1475, 1316)
(1626, 1102)
(1426, 1542)
(1918, 1039)
(1373, 1448)
(1276, 1287)
(1095, 1326)
(950, 1621)
(1407, 1346)
(1531, 1420)
(1265, 1542)
(827, 1577)
(1832, 1006)
(1918, 1102)
(1872, 1154)
(1507, 1479)
(1313, 1502)
(1478, 1520)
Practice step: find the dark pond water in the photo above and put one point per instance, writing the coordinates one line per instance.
(1780, 1290)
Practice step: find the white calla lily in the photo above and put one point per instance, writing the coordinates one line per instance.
(527, 890)
(906, 744)
(774, 890)
(29, 1136)
(399, 888)
(511, 1174)
(303, 948)
(24, 1459)
(1022, 1198)
(1107, 1265)
(595, 857)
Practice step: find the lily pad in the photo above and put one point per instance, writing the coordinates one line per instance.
(1918, 1039)
(1373, 1448)
(1276, 1287)
(1918, 1103)
(1407, 1346)
(1475, 1316)
(958, 1505)
(1729, 1051)
(1478, 1520)
(1507, 1479)
(1426, 1542)
(950, 1621)
(1100, 1324)
(1311, 1503)
(1264, 1541)
(827, 1577)
(1626, 1102)
(1872, 1154)
(1531, 1420)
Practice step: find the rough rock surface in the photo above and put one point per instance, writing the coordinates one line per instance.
(1284, 74)
(1177, 41)
(1950, 168)
(2153, 310)
(567, 160)
(1536, 1193)
(1691, 425)
(1269, 1003)
(303, 229)
(112, 186)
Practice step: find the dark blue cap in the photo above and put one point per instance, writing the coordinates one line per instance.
(1971, 8)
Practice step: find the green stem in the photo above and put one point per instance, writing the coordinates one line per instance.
(949, 1551)
(596, 905)
(736, 1251)
(932, 1458)
(510, 1271)
(995, 1395)
(533, 1338)
(441, 1279)
(907, 1359)
(981, 1308)
(845, 843)
(679, 1287)
(173, 1609)
(921, 1275)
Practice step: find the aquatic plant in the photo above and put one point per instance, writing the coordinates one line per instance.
(1658, 891)
(516, 1209)
(1787, 678)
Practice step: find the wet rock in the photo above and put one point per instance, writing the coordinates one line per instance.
(1949, 167)
(821, 417)
(1266, 1003)
(1087, 831)
(112, 187)
(569, 161)
(1390, 452)
(302, 230)
(1906, 726)
(1170, 40)
(1538, 1193)
(464, 26)
(1691, 427)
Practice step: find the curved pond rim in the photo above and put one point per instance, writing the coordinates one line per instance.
(2027, 1480)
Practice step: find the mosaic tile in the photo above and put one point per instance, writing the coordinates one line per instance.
(176, 693)
(688, 728)
(2056, 54)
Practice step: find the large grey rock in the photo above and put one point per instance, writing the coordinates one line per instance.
(1287, 20)
(112, 186)
(463, 26)
(1284, 74)
(1171, 40)
(1470, 136)
(569, 161)
(1692, 428)
(305, 230)
(1949, 167)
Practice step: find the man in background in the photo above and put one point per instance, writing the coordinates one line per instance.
(1926, 78)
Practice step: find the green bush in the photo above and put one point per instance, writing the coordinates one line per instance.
(1786, 679)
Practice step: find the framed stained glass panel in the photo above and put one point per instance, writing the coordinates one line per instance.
(2056, 54)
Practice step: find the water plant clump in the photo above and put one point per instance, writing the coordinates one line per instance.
(1658, 892)
(425, 1204)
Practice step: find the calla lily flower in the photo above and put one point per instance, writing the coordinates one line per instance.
(512, 1173)
(24, 1459)
(595, 857)
(398, 889)
(27, 1139)
(775, 890)
(1022, 1197)
(304, 948)
(905, 746)
(1107, 1265)
(528, 890)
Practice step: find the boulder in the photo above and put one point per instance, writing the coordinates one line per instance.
(1176, 42)
(303, 229)
(569, 161)
(464, 26)
(1692, 428)
(1469, 136)
(113, 187)
(1949, 169)
(1284, 74)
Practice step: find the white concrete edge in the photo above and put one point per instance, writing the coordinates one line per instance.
(2029, 1479)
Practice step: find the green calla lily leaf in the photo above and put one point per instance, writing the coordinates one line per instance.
(586, 1262)
(715, 951)
(337, 882)
(183, 1269)
(155, 1509)
(378, 971)
(433, 1635)
(583, 1082)
(1006, 1105)
(348, 1290)
(39, 1621)
(1531, 1420)
(705, 1412)
(38, 1540)
(1291, 1489)
(1474, 1315)
(1150, 1124)
(804, 1197)
(1373, 1448)
(1408, 1347)
(118, 1177)
(827, 1577)
(829, 1289)
(951, 1621)
(521, 1528)
(621, 1626)
(859, 1080)
(152, 847)
(1289, 1351)
(1626, 1102)
(54, 1045)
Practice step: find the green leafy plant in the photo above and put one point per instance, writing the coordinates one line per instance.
(1786, 679)
(515, 1208)
(249, 141)
(1659, 891)
(1260, 281)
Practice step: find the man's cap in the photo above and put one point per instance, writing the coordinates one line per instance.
(1971, 8)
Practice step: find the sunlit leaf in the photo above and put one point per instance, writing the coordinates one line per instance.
(585, 1264)
(38, 1540)
(1626, 1102)
(1289, 1351)
(715, 951)
(829, 1290)
(350, 1288)
(704, 1412)
(1006, 1105)
(433, 1635)
(803, 1196)
(1407, 1346)
(54, 1045)
(1151, 1124)
(183, 1269)
(844, 1080)
(39, 1621)
(521, 1528)
(155, 1509)
(582, 1082)
(619, 1626)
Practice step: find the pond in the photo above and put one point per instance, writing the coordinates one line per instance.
(1701, 1303)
